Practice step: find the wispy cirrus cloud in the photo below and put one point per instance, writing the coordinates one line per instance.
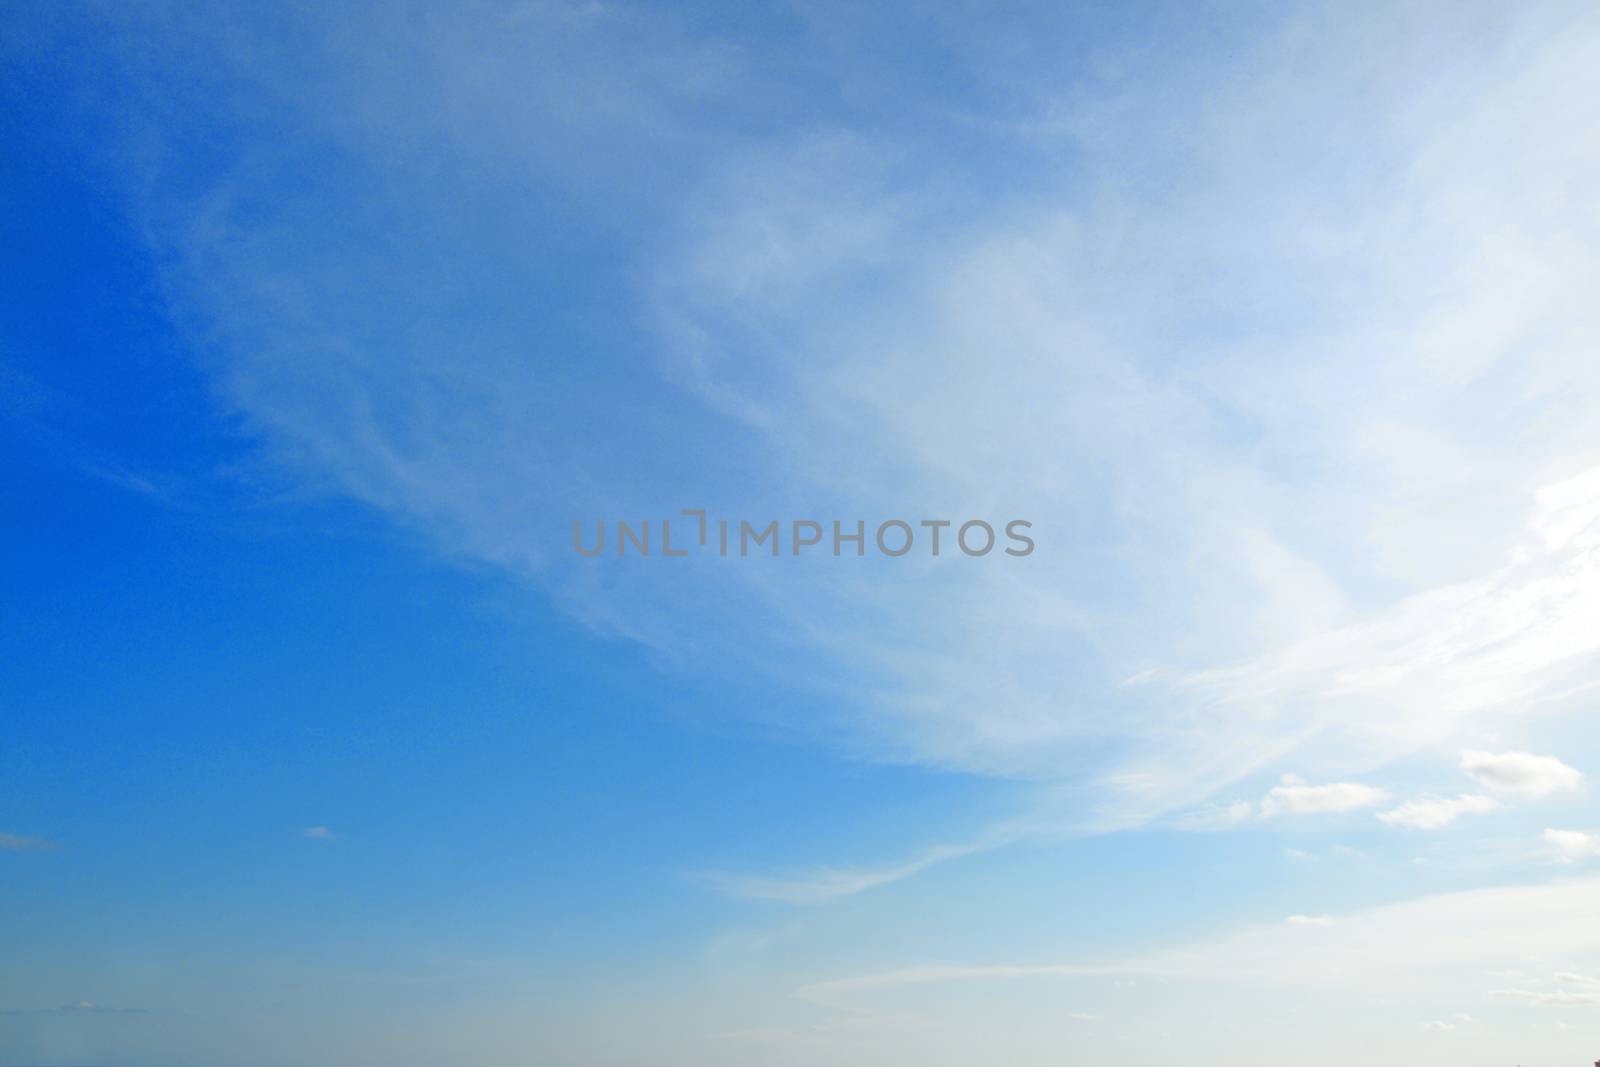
(821, 885)
(817, 316)
(826, 884)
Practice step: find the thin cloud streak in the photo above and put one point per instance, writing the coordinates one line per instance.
(22, 843)
(828, 884)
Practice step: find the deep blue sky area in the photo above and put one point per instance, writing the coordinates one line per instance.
(203, 658)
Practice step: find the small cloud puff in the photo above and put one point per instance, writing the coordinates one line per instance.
(1573, 845)
(1430, 813)
(1520, 773)
(1293, 796)
(320, 833)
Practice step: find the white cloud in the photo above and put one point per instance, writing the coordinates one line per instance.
(320, 833)
(1573, 845)
(1309, 920)
(1295, 797)
(1520, 773)
(1430, 813)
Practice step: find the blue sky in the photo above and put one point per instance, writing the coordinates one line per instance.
(322, 325)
